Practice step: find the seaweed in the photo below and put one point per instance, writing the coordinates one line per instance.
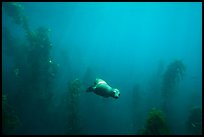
(194, 122)
(15, 11)
(171, 79)
(73, 123)
(155, 124)
(34, 70)
(172, 76)
(10, 119)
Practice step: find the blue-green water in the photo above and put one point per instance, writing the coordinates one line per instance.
(129, 45)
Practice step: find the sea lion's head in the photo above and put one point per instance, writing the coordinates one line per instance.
(116, 93)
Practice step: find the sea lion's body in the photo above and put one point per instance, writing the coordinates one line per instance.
(101, 88)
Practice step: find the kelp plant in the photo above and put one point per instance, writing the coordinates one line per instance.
(10, 119)
(194, 122)
(172, 76)
(33, 66)
(73, 123)
(15, 11)
(155, 124)
(171, 79)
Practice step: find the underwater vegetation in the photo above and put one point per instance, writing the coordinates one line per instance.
(73, 124)
(171, 77)
(156, 124)
(39, 101)
(33, 71)
(194, 122)
(14, 10)
(10, 119)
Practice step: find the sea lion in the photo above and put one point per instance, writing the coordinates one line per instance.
(101, 88)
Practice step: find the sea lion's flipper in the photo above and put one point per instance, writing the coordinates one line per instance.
(90, 89)
(96, 83)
